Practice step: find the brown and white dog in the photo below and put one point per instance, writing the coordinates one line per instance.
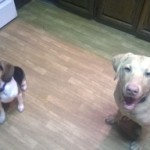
(12, 84)
(132, 93)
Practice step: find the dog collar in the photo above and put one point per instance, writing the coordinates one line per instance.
(3, 87)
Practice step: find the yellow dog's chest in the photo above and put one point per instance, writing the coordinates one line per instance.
(141, 116)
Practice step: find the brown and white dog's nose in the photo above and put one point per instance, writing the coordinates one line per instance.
(132, 89)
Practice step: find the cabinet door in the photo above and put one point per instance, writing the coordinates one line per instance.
(144, 23)
(81, 7)
(124, 13)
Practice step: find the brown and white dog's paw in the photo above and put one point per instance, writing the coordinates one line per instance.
(135, 146)
(21, 107)
(2, 118)
(24, 85)
(111, 119)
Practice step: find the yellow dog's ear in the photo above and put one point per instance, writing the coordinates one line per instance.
(118, 60)
(7, 71)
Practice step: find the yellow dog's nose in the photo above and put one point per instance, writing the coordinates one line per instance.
(132, 89)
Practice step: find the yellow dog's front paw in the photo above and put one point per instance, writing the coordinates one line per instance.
(111, 119)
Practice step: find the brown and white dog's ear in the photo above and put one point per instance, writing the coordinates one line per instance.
(7, 71)
(118, 60)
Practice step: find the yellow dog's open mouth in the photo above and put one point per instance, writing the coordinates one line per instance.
(130, 102)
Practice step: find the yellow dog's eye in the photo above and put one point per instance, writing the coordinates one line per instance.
(127, 68)
(147, 74)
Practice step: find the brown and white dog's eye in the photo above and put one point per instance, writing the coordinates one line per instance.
(1, 68)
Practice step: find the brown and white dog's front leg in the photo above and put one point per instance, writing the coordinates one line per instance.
(20, 102)
(2, 114)
(135, 145)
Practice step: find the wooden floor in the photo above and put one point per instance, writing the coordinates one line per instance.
(70, 88)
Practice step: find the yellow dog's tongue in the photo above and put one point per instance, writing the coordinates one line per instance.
(129, 100)
(130, 103)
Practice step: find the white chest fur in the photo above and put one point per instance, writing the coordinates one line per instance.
(10, 92)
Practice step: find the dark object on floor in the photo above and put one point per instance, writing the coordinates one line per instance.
(128, 128)
(21, 3)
